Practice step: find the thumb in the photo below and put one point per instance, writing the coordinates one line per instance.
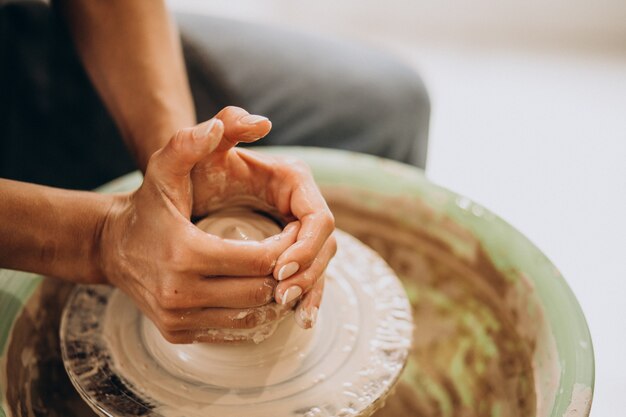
(188, 147)
(241, 126)
(169, 168)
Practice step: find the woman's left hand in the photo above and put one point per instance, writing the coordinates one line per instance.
(232, 174)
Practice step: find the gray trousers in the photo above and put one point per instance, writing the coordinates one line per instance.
(55, 130)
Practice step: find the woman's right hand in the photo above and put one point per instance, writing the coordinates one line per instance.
(189, 283)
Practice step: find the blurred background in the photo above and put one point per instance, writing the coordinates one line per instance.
(528, 118)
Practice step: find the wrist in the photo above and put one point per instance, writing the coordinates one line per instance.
(104, 237)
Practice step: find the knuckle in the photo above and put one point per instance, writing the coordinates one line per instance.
(177, 257)
(155, 164)
(230, 109)
(319, 292)
(300, 166)
(177, 142)
(306, 280)
(168, 322)
(255, 318)
(293, 166)
(168, 299)
(308, 254)
(264, 263)
(154, 158)
(172, 337)
(327, 222)
(251, 320)
(332, 242)
(172, 151)
(311, 277)
(262, 294)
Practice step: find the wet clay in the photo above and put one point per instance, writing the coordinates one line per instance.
(472, 351)
(468, 358)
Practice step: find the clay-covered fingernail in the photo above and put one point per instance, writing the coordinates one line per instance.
(203, 129)
(288, 270)
(252, 119)
(291, 294)
(306, 317)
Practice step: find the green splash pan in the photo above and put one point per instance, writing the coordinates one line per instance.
(555, 327)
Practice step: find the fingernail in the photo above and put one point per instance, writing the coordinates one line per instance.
(306, 318)
(203, 129)
(252, 119)
(312, 316)
(288, 270)
(291, 294)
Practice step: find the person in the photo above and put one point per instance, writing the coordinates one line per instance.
(81, 79)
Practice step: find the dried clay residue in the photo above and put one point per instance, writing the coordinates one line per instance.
(37, 384)
(469, 358)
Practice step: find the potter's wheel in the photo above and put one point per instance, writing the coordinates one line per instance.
(345, 366)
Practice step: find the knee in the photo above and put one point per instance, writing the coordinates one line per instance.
(380, 106)
(399, 103)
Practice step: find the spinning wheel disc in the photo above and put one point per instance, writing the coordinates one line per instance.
(345, 366)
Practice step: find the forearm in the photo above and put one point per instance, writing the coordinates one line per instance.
(132, 53)
(51, 231)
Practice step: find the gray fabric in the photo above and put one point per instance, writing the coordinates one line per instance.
(317, 92)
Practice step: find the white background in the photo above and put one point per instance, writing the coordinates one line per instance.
(529, 119)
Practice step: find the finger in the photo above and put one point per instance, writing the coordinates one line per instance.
(186, 149)
(306, 203)
(221, 318)
(224, 292)
(211, 336)
(209, 325)
(306, 312)
(215, 256)
(303, 281)
(241, 126)
(221, 336)
(171, 321)
(169, 168)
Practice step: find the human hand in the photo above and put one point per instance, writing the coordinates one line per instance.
(230, 175)
(191, 284)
